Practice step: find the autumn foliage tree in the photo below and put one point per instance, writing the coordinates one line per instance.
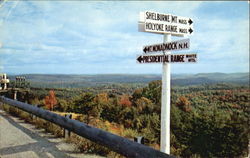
(184, 104)
(206, 120)
(50, 100)
(101, 98)
(124, 101)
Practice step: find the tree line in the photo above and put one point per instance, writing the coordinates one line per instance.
(206, 120)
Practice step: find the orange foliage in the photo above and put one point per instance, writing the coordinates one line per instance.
(50, 101)
(124, 101)
(184, 104)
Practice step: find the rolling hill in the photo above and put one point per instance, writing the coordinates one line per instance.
(76, 81)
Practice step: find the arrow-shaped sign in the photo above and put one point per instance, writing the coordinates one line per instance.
(165, 24)
(170, 58)
(163, 28)
(169, 46)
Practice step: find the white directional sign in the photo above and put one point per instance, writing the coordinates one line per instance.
(170, 46)
(165, 24)
(169, 58)
(168, 25)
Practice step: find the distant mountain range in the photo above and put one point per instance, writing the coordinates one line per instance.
(94, 80)
(210, 78)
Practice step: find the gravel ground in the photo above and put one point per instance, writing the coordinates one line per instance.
(22, 140)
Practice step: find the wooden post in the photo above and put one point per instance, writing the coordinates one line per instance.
(66, 133)
(139, 140)
(15, 95)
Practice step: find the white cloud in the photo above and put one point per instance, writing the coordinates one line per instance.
(104, 34)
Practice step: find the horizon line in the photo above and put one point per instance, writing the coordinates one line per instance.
(119, 73)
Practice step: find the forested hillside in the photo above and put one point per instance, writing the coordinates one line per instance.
(208, 120)
(79, 81)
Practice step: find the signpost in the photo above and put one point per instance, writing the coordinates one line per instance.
(165, 103)
(171, 58)
(165, 24)
(168, 25)
(170, 46)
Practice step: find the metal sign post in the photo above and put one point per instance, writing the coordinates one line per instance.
(165, 102)
(168, 25)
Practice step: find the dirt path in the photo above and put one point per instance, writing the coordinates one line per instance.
(21, 140)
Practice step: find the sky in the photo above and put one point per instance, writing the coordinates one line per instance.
(102, 37)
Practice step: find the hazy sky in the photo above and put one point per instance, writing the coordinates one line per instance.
(102, 37)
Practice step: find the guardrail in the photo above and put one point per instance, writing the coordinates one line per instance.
(116, 143)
